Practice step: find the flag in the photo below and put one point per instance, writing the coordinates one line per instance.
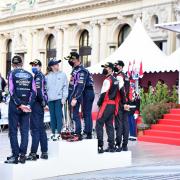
(133, 69)
(129, 71)
(132, 90)
(141, 73)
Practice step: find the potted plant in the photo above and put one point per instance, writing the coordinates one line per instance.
(140, 129)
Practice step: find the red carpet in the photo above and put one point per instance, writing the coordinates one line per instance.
(167, 131)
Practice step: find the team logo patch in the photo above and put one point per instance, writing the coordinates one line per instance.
(23, 75)
(82, 74)
(116, 82)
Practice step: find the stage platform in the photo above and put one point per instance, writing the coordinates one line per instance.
(66, 158)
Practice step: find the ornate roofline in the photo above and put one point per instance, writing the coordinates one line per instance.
(60, 10)
(69, 8)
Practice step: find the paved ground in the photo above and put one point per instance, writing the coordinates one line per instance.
(150, 161)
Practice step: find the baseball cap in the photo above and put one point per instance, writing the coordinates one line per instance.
(36, 62)
(73, 55)
(53, 62)
(16, 60)
(120, 63)
(108, 64)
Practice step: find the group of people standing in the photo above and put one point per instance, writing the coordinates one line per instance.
(79, 93)
(115, 104)
(32, 95)
(28, 101)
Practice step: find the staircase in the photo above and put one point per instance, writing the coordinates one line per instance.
(167, 131)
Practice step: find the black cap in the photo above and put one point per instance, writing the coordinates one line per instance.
(36, 62)
(16, 60)
(53, 62)
(73, 55)
(108, 64)
(120, 63)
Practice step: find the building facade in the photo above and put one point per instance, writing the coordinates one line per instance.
(46, 29)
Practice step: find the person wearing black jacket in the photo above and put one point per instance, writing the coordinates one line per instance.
(122, 108)
(106, 104)
(132, 116)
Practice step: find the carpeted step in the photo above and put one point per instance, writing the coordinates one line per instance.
(167, 131)
(175, 111)
(162, 140)
(172, 116)
(165, 127)
(158, 133)
(169, 122)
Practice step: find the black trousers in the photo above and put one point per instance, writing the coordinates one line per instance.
(107, 119)
(122, 128)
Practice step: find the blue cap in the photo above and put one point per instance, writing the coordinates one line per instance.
(53, 62)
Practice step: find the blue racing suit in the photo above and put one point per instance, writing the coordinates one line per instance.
(22, 92)
(38, 131)
(81, 88)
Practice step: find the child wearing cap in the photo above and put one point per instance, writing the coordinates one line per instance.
(57, 90)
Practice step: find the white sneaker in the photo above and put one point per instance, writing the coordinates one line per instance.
(57, 137)
(52, 136)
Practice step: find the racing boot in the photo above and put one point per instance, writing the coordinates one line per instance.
(11, 160)
(110, 149)
(22, 159)
(100, 149)
(124, 148)
(44, 155)
(32, 157)
(118, 148)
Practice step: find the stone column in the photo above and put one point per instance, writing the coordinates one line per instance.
(103, 40)
(65, 66)
(13, 43)
(2, 56)
(59, 43)
(42, 57)
(95, 42)
(171, 41)
(28, 55)
(3, 63)
(35, 40)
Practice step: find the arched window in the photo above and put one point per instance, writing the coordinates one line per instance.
(84, 48)
(123, 33)
(51, 47)
(155, 20)
(8, 56)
